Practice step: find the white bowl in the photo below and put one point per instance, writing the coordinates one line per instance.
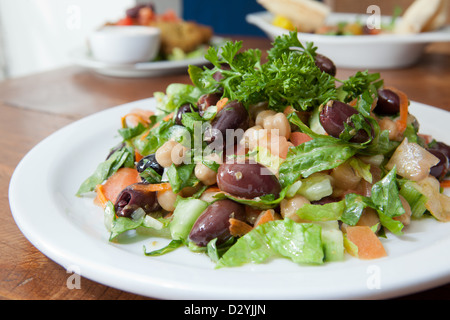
(388, 51)
(125, 44)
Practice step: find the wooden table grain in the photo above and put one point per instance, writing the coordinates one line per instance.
(35, 106)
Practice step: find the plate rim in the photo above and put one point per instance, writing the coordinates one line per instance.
(176, 287)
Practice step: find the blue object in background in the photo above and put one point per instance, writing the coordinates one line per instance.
(225, 17)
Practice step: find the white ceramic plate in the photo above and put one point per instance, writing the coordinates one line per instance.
(83, 57)
(70, 231)
(360, 52)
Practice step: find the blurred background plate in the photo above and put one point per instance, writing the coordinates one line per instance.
(82, 57)
(388, 51)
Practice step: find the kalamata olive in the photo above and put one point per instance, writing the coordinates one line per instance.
(233, 116)
(388, 103)
(442, 147)
(185, 108)
(207, 100)
(214, 222)
(325, 64)
(149, 162)
(134, 197)
(333, 117)
(439, 170)
(247, 180)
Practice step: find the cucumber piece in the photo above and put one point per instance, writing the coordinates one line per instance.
(332, 240)
(186, 213)
(314, 122)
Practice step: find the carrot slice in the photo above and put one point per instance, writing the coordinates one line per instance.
(298, 138)
(213, 189)
(353, 102)
(100, 200)
(137, 115)
(445, 184)
(137, 156)
(117, 182)
(404, 105)
(164, 186)
(265, 216)
(238, 228)
(168, 117)
(368, 244)
(221, 103)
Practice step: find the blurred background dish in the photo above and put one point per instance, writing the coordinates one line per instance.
(130, 44)
(83, 57)
(179, 43)
(355, 40)
(179, 38)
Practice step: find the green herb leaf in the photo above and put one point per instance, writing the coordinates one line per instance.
(123, 157)
(181, 176)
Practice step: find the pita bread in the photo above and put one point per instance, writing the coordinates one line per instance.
(423, 16)
(305, 15)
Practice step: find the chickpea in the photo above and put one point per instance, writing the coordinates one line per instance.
(208, 196)
(289, 207)
(163, 154)
(259, 121)
(206, 175)
(369, 218)
(166, 199)
(170, 153)
(344, 177)
(178, 154)
(388, 124)
(278, 122)
(250, 137)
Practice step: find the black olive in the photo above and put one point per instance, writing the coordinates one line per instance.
(439, 170)
(388, 103)
(325, 64)
(185, 108)
(149, 162)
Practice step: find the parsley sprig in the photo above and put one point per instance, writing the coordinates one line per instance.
(289, 77)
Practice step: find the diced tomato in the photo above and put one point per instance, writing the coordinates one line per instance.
(127, 21)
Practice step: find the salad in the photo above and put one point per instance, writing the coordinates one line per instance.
(260, 159)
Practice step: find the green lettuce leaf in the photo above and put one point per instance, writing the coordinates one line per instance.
(300, 242)
(123, 157)
(313, 156)
(181, 176)
(322, 212)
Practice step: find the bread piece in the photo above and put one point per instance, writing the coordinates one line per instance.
(305, 15)
(185, 35)
(423, 16)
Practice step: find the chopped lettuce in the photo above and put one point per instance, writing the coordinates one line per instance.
(314, 156)
(176, 94)
(322, 212)
(300, 242)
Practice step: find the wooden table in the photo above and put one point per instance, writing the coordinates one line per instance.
(33, 107)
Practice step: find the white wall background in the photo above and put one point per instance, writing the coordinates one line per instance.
(38, 35)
